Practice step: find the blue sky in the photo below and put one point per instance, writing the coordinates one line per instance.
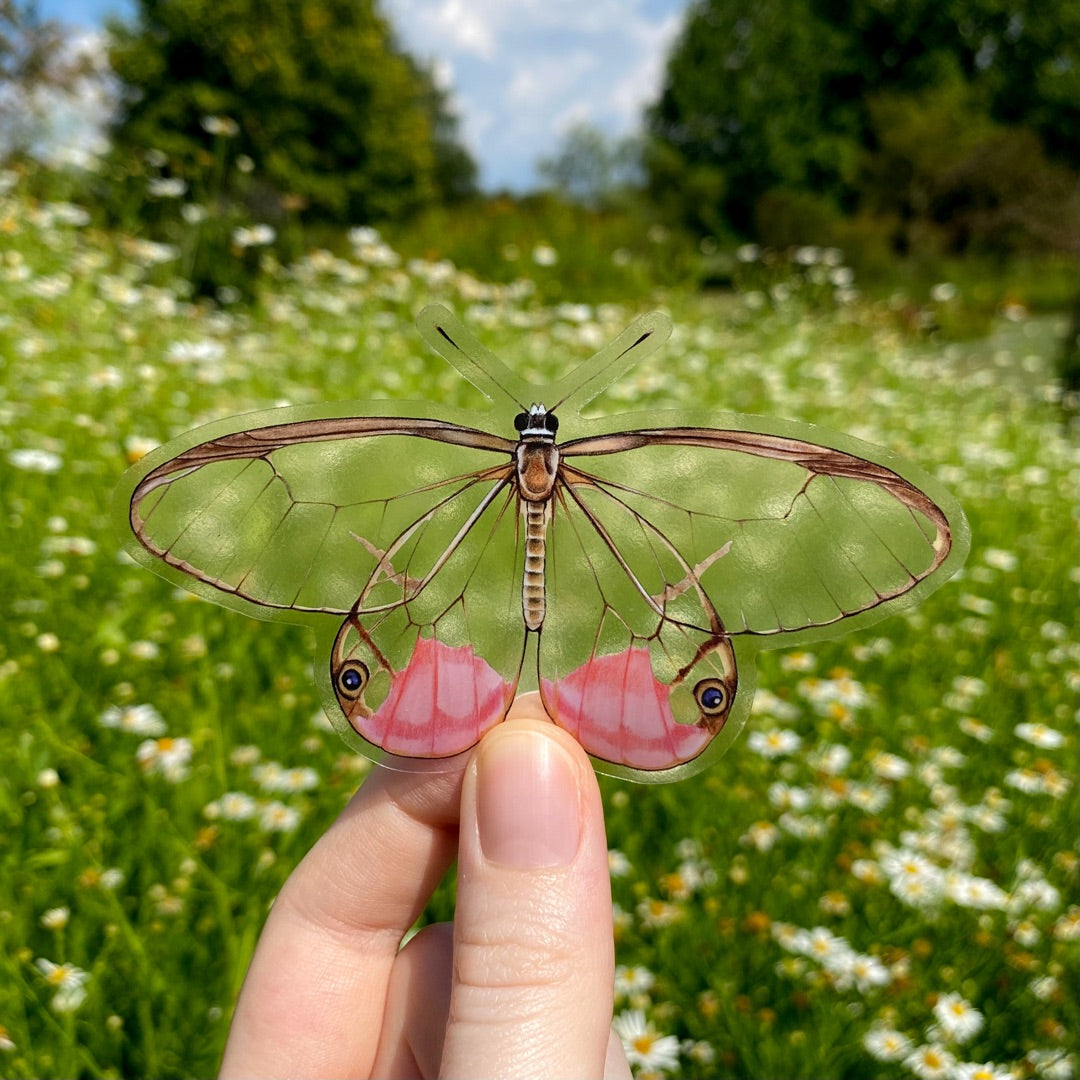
(520, 71)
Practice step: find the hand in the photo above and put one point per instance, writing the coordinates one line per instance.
(520, 985)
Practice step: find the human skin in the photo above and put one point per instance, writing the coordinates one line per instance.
(519, 985)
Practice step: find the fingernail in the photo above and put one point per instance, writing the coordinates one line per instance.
(527, 803)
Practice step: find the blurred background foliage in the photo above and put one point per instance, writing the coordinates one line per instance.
(336, 119)
(930, 140)
(926, 116)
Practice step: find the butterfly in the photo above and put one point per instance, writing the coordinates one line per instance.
(628, 572)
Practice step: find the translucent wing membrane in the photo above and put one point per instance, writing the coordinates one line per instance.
(785, 535)
(360, 518)
(426, 662)
(299, 516)
(677, 544)
(631, 642)
(644, 567)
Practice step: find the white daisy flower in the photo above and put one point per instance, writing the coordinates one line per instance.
(821, 945)
(630, 980)
(959, 1019)
(56, 918)
(232, 806)
(931, 1062)
(1036, 893)
(970, 891)
(970, 1070)
(277, 817)
(645, 1047)
(886, 1044)
(134, 719)
(33, 460)
(786, 797)
(912, 878)
(67, 980)
(165, 757)
(1047, 738)
(832, 759)
(774, 743)
(890, 766)
(868, 972)
(761, 836)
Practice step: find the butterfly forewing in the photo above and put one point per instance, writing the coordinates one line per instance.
(306, 523)
(785, 539)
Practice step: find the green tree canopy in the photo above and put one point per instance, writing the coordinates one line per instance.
(335, 117)
(786, 94)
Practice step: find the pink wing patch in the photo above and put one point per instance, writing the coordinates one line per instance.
(439, 705)
(616, 709)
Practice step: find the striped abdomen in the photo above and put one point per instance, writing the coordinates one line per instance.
(533, 603)
(537, 468)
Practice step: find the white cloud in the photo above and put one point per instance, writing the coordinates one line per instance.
(535, 86)
(461, 26)
(524, 70)
(638, 88)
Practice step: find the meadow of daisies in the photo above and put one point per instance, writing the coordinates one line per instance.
(879, 880)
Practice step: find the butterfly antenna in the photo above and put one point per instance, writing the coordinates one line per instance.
(640, 339)
(445, 333)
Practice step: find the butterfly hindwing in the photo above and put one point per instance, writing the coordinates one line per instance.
(633, 659)
(430, 654)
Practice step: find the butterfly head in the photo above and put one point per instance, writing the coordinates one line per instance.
(537, 423)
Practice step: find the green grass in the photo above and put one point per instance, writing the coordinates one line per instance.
(101, 356)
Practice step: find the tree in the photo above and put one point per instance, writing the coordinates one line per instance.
(940, 162)
(591, 168)
(742, 109)
(334, 116)
(767, 95)
(39, 71)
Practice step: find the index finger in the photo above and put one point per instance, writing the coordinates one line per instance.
(313, 1000)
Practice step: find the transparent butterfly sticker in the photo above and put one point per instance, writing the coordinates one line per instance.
(628, 568)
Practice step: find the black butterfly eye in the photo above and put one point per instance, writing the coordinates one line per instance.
(521, 421)
(711, 696)
(551, 423)
(352, 678)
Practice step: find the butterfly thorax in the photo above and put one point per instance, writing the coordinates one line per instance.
(537, 461)
(536, 455)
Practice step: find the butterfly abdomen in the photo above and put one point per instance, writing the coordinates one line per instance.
(537, 466)
(533, 602)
